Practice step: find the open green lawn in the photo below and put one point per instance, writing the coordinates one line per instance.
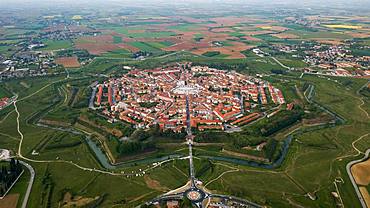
(162, 44)
(183, 27)
(6, 50)
(143, 46)
(119, 53)
(162, 34)
(56, 45)
(117, 39)
(292, 62)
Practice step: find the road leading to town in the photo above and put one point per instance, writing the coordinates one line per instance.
(195, 194)
(189, 138)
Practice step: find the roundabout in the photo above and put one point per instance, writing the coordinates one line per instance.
(195, 195)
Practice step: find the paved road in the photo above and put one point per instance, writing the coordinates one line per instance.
(188, 130)
(348, 168)
(281, 64)
(30, 183)
(92, 98)
(194, 193)
(242, 103)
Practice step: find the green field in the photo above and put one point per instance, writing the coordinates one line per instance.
(143, 46)
(56, 45)
(4, 92)
(162, 44)
(117, 39)
(152, 34)
(128, 32)
(183, 27)
(119, 53)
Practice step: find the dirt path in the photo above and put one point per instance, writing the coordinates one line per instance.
(358, 152)
(218, 177)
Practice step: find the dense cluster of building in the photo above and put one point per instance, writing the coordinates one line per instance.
(27, 64)
(158, 96)
(336, 60)
(66, 31)
(5, 101)
(29, 57)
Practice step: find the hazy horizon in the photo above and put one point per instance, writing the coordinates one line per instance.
(165, 2)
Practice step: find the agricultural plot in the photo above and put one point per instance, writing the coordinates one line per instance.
(233, 34)
(68, 62)
(10, 201)
(118, 53)
(142, 46)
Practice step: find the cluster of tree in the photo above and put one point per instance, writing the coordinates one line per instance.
(278, 71)
(212, 89)
(207, 165)
(148, 206)
(155, 131)
(47, 185)
(63, 145)
(185, 203)
(270, 149)
(140, 54)
(126, 129)
(225, 66)
(211, 136)
(172, 135)
(133, 147)
(211, 53)
(81, 54)
(8, 174)
(141, 135)
(240, 140)
(148, 104)
(282, 122)
(200, 74)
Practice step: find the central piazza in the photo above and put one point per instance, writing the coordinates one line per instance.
(217, 98)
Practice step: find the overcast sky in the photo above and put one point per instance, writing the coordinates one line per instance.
(313, 3)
